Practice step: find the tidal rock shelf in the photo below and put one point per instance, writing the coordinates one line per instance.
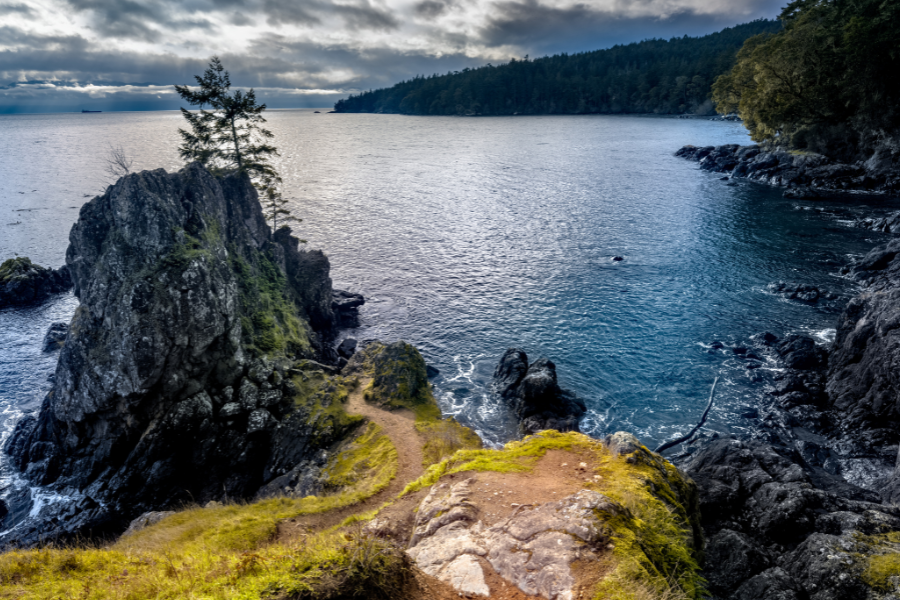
(807, 174)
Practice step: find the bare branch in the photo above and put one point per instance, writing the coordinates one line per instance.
(118, 164)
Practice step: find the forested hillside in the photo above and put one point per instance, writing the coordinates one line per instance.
(654, 76)
(827, 82)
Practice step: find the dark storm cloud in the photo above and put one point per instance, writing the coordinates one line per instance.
(144, 21)
(430, 9)
(542, 28)
(16, 9)
(356, 14)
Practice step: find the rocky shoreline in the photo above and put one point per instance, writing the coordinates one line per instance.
(805, 174)
(201, 367)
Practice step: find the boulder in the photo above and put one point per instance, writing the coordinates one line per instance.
(532, 391)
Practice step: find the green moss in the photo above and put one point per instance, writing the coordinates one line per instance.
(270, 323)
(369, 462)
(879, 558)
(443, 437)
(15, 268)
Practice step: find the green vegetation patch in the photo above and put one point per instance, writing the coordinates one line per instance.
(230, 551)
(270, 324)
(879, 557)
(16, 268)
(400, 380)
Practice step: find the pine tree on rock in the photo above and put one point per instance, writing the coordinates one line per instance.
(230, 137)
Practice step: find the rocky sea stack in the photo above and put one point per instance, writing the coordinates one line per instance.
(174, 382)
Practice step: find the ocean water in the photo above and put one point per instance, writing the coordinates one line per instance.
(471, 235)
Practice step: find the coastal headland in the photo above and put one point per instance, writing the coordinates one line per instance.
(204, 436)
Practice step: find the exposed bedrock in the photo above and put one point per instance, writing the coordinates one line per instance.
(22, 282)
(176, 381)
(804, 172)
(863, 375)
(774, 534)
(532, 391)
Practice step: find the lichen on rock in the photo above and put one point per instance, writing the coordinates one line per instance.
(631, 529)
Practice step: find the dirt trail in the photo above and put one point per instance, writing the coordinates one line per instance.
(400, 427)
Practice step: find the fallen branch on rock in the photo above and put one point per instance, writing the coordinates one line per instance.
(690, 434)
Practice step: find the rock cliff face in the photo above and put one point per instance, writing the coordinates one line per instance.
(533, 392)
(863, 379)
(805, 171)
(174, 382)
(23, 282)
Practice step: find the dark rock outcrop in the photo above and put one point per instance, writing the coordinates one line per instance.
(800, 291)
(863, 379)
(534, 394)
(808, 173)
(175, 380)
(773, 533)
(23, 282)
(345, 306)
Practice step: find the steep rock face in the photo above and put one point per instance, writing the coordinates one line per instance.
(157, 397)
(534, 393)
(23, 282)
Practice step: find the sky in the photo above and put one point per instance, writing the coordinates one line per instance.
(69, 55)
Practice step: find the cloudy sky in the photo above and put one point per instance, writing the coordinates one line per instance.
(66, 55)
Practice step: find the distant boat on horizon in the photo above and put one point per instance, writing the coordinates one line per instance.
(91, 111)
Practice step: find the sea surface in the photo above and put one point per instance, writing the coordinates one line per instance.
(471, 235)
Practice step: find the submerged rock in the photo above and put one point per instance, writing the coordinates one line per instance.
(534, 394)
(23, 282)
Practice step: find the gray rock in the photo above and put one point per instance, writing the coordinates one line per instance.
(55, 337)
(146, 520)
(167, 339)
(533, 548)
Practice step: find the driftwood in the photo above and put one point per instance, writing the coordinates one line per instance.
(685, 438)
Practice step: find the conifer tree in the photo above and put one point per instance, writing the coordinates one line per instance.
(230, 137)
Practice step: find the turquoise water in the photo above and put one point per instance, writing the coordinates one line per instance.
(469, 235)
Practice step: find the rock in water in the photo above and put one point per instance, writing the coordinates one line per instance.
(171, 385)
(534, 394)
(23, 282)
(56, 336)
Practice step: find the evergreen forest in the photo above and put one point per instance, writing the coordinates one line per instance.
(654, 76)
(828, 82)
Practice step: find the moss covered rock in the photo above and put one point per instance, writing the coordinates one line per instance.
(173, 382)
(630, 529)
(23, 282)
